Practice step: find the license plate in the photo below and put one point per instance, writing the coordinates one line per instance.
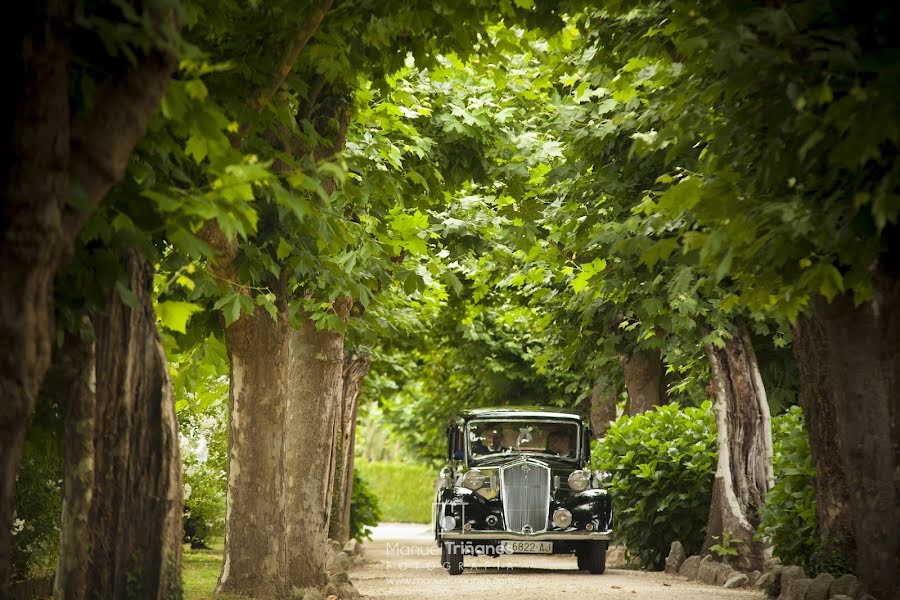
(528, 547)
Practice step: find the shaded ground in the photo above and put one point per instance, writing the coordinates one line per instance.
(402, 563)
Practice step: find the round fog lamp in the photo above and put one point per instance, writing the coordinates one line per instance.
(473, 480)
(448, 522)
(562, 518)
(578, 481)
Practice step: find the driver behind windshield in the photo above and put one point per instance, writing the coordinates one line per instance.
(559, 444)
(489, 444)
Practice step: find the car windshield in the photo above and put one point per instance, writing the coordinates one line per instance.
(497, 437)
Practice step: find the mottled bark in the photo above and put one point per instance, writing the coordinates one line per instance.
(34, 171)
(849, 362)
(355, 368)
(603, 407)
(744, 467)
(643, 371)
(37, 173)
(72, 379)
(315, 380)
(255, 553)
(135, 517)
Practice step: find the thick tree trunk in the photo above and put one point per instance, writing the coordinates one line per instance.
(744, 469)
(73, 380)
(316, 384)
(355, 368)
(135, 516)
(603, 407)
(255, 554)
(37, 225)
(849, 362)
(34, 179)
(643, 373)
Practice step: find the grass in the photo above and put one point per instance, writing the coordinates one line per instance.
(405, 492)
(200, 570)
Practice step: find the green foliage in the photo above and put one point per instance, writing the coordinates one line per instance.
(200, 384)
(662, 464)
(35, 520)
(789, 515)
(364, 511)
(725, 547)
(404, 491)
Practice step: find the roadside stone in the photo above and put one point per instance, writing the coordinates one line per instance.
(339, 579)
(752, 577)
(708, 571)
(737, 580)
(331, 589)
(334, 546)
(789, 575)
(842, 597)
(676, 558)
(766, 579)
(690, 567)
(339, 563)
(724, 574)
(818, 589)
(347, 592)
(352, 548)
(846, 585)
(615, 557)
(798, 589)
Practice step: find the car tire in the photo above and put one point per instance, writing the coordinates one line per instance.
(452, 558)
(595, 557)
(582, 560)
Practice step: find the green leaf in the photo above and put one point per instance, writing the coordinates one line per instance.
(175, 315)
(284, 249)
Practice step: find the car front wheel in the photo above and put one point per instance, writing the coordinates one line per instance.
(593, 558)
(452, 557)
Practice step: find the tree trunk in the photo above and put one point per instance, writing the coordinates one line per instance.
(316, 384)
(37, 223)
(255, 552)
(603, 407)
(849, 362)
(34, 180)
(643, 373)
(135, 515)
(73, 379)
(355, 368)
(744, 469)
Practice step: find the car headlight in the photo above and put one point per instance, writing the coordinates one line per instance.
(562, 518)
(473, 479)
(578, 481)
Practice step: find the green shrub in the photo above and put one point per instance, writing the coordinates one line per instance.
(35, 522)
(404, 491)
(662, 464)
(789, 515)
(364, 511)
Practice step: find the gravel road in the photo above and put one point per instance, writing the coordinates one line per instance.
(402, 563)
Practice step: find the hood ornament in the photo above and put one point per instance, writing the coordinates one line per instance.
(525, 468)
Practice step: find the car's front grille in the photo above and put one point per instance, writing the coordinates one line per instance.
(525, 490)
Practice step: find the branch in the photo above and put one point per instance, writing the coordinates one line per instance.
(103, 139)
(226, 250)
(307, 29)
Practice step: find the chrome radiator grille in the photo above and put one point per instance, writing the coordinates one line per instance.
(525, 491)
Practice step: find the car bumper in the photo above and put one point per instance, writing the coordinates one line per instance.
(507, 536)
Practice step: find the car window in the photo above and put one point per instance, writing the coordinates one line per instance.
(506, 436)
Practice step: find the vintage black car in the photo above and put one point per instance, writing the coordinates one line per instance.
(517, 480)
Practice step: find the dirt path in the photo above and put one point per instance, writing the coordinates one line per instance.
(402, 563)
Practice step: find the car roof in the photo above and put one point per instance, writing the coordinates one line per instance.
(539, 412)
